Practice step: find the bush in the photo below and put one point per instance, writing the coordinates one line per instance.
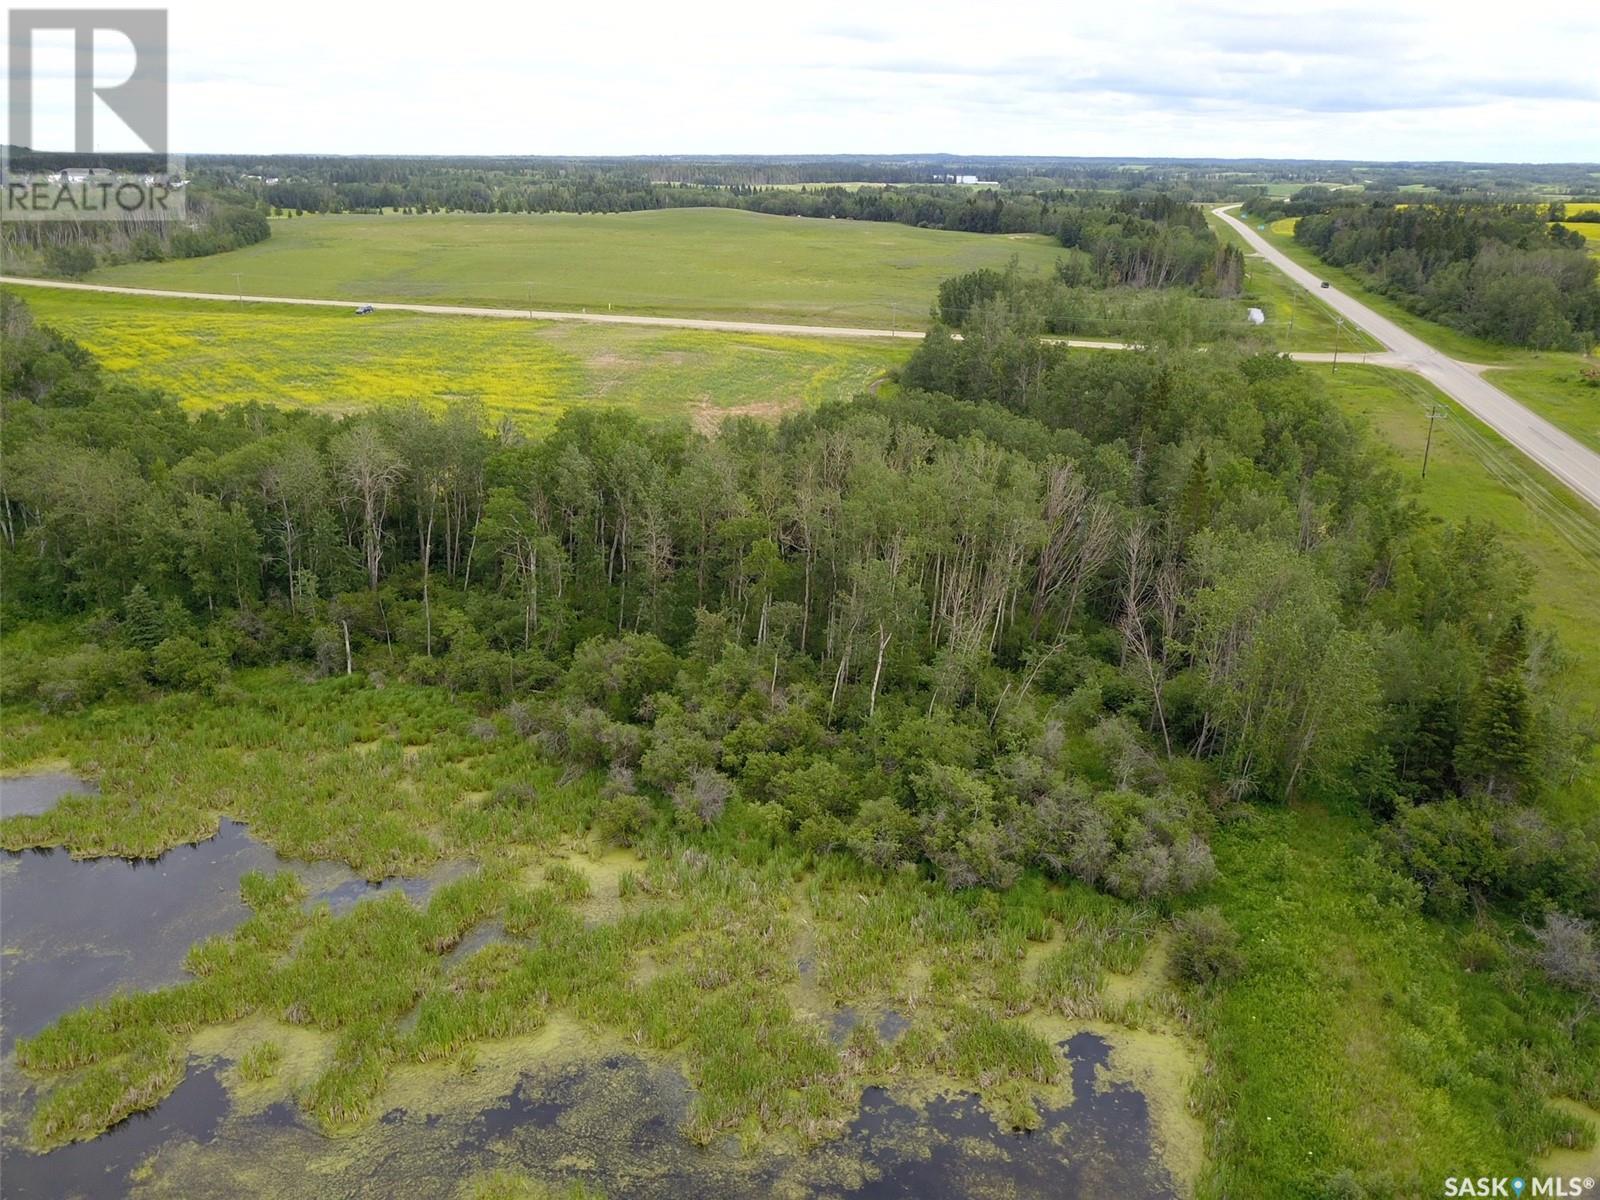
(623, 818)
(1344, 1186)
(183, 663)
(72, 261)
(702, 799)
(1567, 953)
(523, 722)
(1136, 847)
(1458, 849)
(82, 677)
(1481, 951)
(1448, 847)
(1205, 948)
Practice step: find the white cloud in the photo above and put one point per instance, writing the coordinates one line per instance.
(1366, 80)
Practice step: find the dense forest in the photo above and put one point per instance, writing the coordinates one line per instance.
(1076, 601)
(1504, 272)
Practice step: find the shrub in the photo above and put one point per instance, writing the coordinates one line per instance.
(1567, 953)
(701, 799)
(1205, 948)
(71, 261)
(1481, 951)
(1449, 847)
(523, 722)
(623, 818)
(1344, 1186)
(181, 662)
(82, 677)
(1457, 849)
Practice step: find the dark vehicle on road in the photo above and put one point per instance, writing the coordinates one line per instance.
(366, 308)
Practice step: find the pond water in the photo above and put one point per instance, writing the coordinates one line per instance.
(29, 795)
(74, 930)
(101, 1168)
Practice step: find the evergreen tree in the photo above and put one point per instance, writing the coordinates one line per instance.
(1496, 748)
(142, 624)
(1195, 501)
(1429, 750)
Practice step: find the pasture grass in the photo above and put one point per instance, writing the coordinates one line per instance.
(1589, 229)
(1283, 189)
(702, 262)
(213, 355)
(1553, 385)
(1356, 1055)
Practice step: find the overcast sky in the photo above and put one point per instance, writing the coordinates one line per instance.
(1399, 79)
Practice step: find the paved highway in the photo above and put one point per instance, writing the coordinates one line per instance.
(1569, 460)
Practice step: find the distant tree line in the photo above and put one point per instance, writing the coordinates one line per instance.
(1203, 179)
(1503, 272)
(1557, 211)
(931, 206)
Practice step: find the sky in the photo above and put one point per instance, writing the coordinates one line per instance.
(1367, 80)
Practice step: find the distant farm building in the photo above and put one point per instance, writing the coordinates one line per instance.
(81, 174)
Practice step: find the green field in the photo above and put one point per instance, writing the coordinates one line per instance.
(213, 354)
(1552, 385)
(1283, 190)
(702, 262)
(1588, 229)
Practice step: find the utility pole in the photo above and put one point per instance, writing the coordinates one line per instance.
(1434, 413)
(530, 301)
(1338, 336)
(1294, 306)
(238, 285)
